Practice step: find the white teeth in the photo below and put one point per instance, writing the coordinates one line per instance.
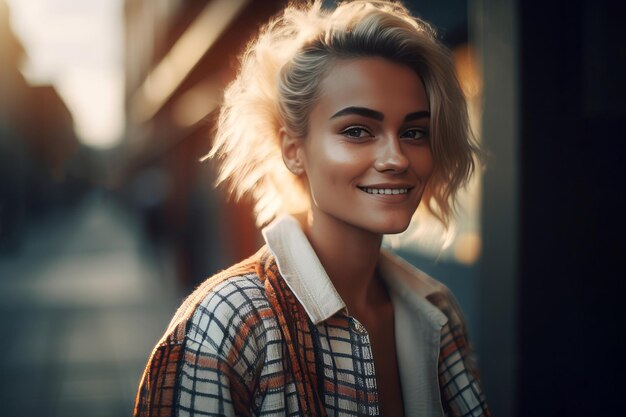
(387, 191)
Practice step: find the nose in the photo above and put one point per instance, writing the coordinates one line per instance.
(391, 158)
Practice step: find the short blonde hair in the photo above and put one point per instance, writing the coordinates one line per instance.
(278, 85)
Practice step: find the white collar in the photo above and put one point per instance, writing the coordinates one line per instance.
(304, 274)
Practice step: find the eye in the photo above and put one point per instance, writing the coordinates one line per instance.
(415, 134)
(356, 132)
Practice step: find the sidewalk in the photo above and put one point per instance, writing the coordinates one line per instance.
(81, 306)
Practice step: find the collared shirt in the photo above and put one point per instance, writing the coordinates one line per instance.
(271, 336)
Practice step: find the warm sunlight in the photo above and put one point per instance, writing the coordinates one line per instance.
(77, 47)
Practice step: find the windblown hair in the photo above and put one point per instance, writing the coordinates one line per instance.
(279, 83)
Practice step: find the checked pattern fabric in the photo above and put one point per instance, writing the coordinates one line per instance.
(242, 345)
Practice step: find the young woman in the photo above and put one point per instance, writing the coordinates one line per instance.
(348, 119)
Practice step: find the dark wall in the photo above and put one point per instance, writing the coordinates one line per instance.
(573, 128)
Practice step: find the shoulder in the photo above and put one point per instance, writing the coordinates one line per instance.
(409, 278)
(231, 316)
(222, 303)
(216, 338)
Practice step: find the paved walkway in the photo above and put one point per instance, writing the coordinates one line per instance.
(81, 306)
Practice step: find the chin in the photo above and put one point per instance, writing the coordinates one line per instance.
(391, 227)
(395, 231)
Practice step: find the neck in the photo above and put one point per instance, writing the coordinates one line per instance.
(348, 254)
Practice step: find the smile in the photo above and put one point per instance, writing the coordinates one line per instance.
(387, 191)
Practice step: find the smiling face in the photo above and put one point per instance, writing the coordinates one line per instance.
(367, 156)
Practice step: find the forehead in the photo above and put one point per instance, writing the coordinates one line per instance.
(372, 82)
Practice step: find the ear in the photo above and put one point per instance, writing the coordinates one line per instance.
(293, 152)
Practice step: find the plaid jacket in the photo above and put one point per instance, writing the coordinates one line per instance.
(245, 344)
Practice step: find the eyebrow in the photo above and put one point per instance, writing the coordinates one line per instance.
(424, 114)
(376, 115)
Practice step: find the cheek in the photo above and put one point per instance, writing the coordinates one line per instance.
(333, 163)
(426, 164)
(422, 163)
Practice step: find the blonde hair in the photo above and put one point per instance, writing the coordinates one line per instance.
(278, 84)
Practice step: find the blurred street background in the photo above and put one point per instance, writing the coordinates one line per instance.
(80, 306)
(108, 219)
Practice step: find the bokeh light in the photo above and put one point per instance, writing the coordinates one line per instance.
(77, 48)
